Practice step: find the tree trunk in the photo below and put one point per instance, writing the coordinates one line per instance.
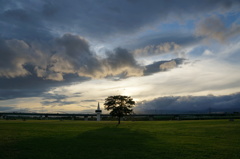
(119, 119)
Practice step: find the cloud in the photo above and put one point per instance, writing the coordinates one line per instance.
(29, 69)
(157, 49)
(76, 57)
(70, 54)
(57, 99)
(191, 104)
(207, 52)
(214, 28)
(7, 108)
(168, 65)
(122, 61)
(101, 19)
(14, 54)
(40, 46)
(23, 21)
(162, 66)
(43, 20)
(163, 44)
(57, 103)
(90, 100)
(33, 86)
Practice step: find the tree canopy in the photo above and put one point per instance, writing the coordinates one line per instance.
(119, 105)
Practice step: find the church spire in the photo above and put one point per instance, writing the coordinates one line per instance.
(98, 108)
(98, 111)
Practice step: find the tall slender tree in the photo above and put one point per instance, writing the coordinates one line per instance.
(119, 106)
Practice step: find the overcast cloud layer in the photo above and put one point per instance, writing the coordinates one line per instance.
(53, 50)
(191, 104)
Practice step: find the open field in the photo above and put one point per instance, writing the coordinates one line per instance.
(53, 139)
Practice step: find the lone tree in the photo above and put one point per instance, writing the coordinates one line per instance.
(119, 105)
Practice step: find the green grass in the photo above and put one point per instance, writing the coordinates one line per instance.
(218, 139)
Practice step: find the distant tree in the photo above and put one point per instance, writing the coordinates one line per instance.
(119, 106)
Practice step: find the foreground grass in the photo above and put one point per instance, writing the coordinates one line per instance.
(219, 139)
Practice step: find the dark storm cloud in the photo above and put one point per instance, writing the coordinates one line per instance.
(43, 19)
(191, 104)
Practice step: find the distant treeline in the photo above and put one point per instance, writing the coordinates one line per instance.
(136, 117)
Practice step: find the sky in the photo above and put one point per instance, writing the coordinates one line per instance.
(168, 55)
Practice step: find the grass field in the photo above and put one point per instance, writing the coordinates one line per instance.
(201, 139)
